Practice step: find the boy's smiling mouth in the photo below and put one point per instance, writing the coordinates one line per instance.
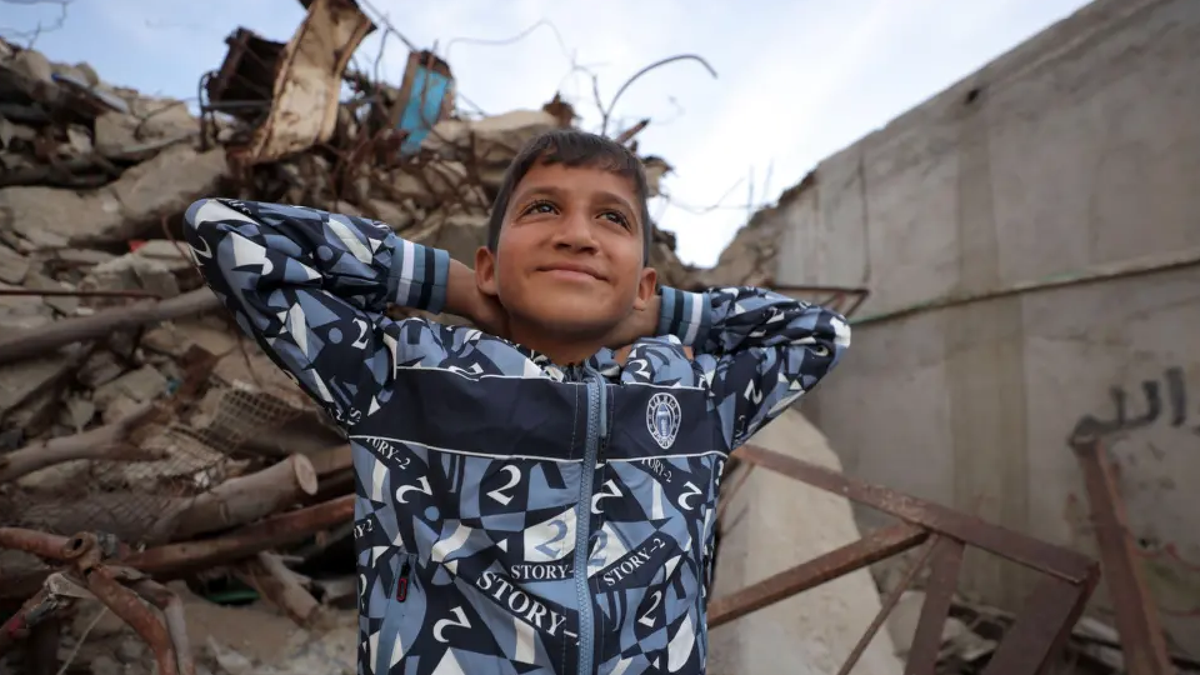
(572, 272)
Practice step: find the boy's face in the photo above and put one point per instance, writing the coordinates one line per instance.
(569, 259)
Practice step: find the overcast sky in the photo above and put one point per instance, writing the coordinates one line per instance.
(797, 79)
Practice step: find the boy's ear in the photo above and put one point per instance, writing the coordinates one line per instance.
(485, 271)
(647, 283)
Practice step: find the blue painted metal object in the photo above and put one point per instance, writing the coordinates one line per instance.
(426, 96)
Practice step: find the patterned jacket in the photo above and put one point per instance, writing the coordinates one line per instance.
(513, 516)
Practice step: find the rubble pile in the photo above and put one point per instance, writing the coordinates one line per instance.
(129, 404)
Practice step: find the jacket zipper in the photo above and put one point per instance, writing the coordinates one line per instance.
(597, 430)
(393, 614)
(402, 583)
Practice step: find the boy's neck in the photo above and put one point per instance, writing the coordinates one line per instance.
(561, 350)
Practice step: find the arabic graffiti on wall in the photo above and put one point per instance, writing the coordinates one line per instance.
(1165, 402)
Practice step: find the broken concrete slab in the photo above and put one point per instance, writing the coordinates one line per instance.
(79, 142)
(11, 132)
(175, 339)
(20, 381)
(132, 272)
(88, 73)
(100, 368)
(459, 234)
(47, 218)
(409, 186)
(33, 65)
(82, 256)
(149, 120)
(386, 212)
(50, 218)
(174, 256)
(497, 138)
(13, 266)
(77, 413)
(161, 187)
(140, 386)
(21, 312)
(64, 305)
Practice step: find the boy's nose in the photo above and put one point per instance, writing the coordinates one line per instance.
(575, 232)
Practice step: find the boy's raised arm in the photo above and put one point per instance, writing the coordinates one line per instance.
(759, 350)
(311, 287)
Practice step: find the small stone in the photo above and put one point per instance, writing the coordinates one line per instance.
(79, 141)
(11, 133)
(131, 650)
(77, 413)
(105, 665)
(100, 368)
(173, 255)
(34, 65)
(141, 385)
(133, 272)
(88, 73)
(13, 266)
(63, 304)
(390, 214)
(83, 256)
(118, 408)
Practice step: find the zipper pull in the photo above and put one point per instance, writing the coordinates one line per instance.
(402, 582)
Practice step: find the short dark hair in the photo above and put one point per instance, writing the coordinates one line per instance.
(574, 148)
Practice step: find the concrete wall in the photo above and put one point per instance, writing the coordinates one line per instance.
(1078, 149)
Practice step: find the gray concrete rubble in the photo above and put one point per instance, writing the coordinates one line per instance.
(94, 179)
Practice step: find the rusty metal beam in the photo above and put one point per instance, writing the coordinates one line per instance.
(1042, 628)
(1031, 644)
(888, 604)
(1137, 620)
(939, 592)
(172, 561)
(872, 548)
(1014, 546)
(41, 544)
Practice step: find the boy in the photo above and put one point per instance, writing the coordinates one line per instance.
(525, 503)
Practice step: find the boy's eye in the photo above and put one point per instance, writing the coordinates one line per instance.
(617, 217)
(539, 207)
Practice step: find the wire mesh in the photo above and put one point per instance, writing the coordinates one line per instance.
(134, 499)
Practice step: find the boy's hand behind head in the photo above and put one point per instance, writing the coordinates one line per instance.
(488, 314)
(637, 324)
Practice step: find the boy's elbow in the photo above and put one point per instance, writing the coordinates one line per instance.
(841, 331)
(829, 342)
(832, 329)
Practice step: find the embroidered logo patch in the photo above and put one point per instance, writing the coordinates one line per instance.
(662, 419)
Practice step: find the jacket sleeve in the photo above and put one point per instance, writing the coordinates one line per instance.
(758, 350)
(311, 288)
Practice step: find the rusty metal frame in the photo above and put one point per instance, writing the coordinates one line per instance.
(1040, 630)
(835, 297)
(92, 568)
(1143, 642)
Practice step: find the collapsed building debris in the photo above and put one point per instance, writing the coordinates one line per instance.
(129, 404)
